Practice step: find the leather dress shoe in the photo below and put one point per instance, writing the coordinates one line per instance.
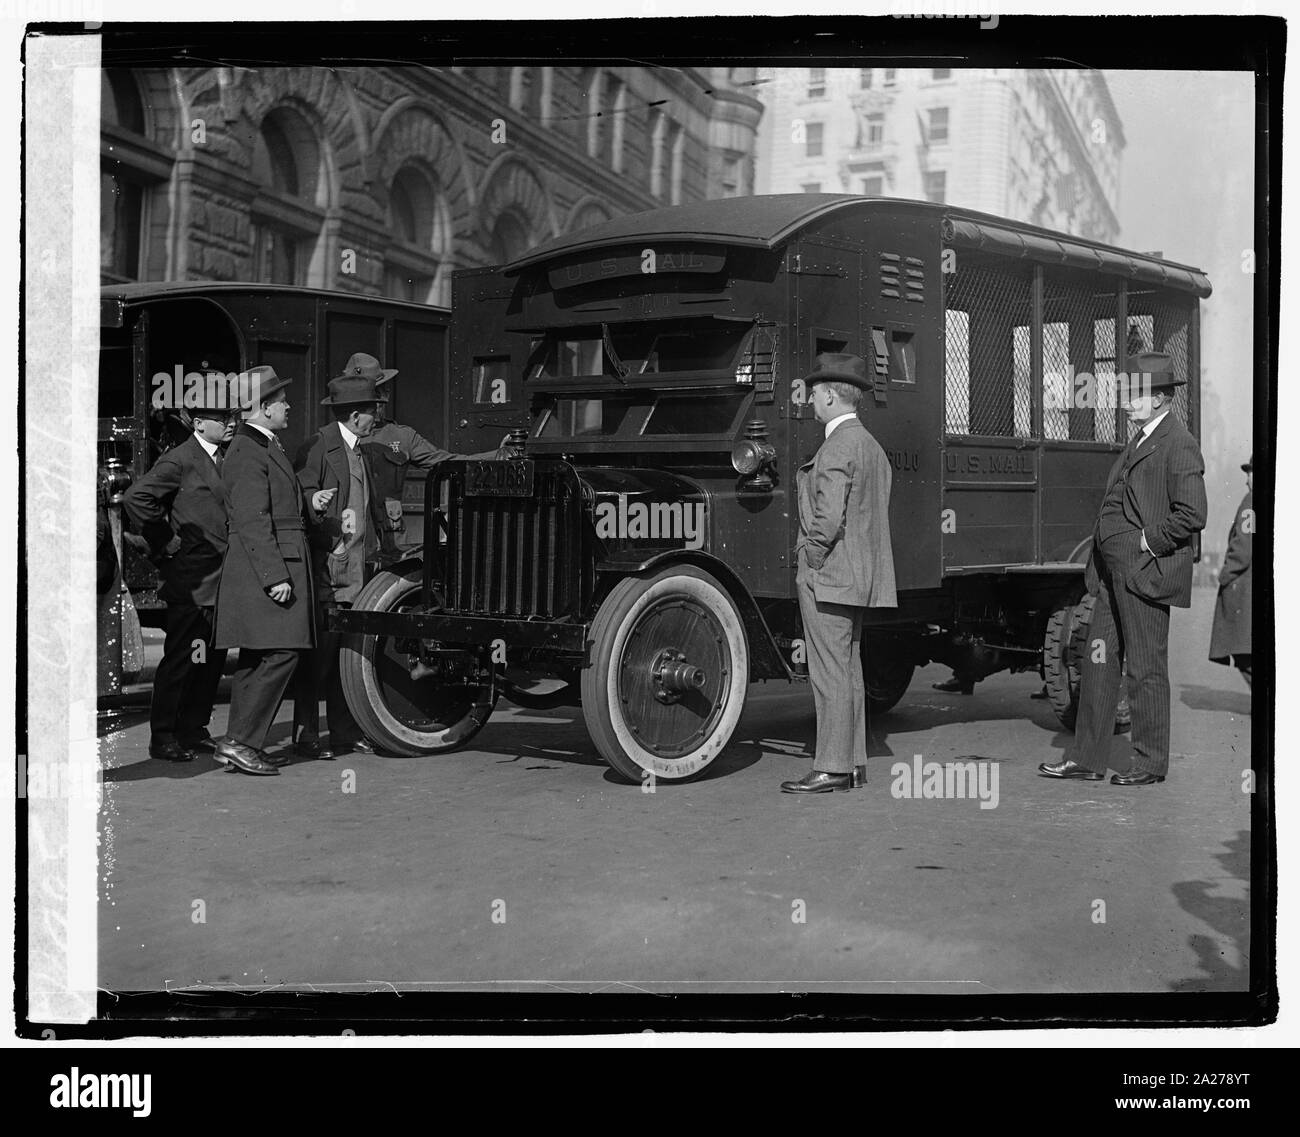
(1068, 769)
(1136, 778)
(818, 782)
(311, 748)
(237, 756)
(955, 686)
(171, 751)
(205, 743)
(356, 746)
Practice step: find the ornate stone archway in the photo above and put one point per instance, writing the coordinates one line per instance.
(588, 211)
(511, 186)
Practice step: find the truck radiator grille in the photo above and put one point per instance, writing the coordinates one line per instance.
(514, 556)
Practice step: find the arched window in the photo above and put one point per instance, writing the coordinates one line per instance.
(132, 166)
(417, 262)
(510, 238)
(120, 102)
(288, 213)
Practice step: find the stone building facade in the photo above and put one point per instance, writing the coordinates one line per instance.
(385, 180)
(1041, 146)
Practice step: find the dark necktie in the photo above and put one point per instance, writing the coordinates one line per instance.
(217, 459)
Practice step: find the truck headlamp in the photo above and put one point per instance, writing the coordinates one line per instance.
(749, 456)
(752, 454)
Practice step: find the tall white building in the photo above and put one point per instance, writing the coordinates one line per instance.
(1041, 146)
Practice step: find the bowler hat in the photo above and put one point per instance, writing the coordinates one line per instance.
(1249, 466)
(366, 366)
(347, 389)
(837, 367)
(256, 385)
(1158, 365)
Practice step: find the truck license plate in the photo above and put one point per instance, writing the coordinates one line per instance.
(509, 478)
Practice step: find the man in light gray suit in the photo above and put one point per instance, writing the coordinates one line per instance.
(845, 565)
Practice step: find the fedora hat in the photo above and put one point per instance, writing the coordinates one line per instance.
(363, 366)
(347, 389)
(1249, 466)
(837, 367)
(1159, 365)
(219, 397)
(255, 386)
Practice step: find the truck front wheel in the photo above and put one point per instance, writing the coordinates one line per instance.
(668, 675)
(401, 714)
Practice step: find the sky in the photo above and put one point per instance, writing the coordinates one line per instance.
(1187, 189)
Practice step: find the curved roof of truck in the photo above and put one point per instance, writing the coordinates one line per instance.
(136, 292)
(765, 221)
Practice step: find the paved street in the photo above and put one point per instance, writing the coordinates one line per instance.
(522, 864)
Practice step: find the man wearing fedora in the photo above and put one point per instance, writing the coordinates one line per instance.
(1230, 636)
(334, 475)
(264, 597)
(1141, 565)
(845, 565)
(179, 507)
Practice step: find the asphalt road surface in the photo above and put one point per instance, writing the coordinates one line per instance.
(523, 864)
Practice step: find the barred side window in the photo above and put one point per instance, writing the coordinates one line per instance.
(1079, 396)
(987, 320)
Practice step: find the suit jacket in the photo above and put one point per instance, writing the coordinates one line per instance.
(267, 545)
(180, 508)
(1164, 496)
(338, 557)
(1232, 610)
(844, 547)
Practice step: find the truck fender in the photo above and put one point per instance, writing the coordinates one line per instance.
(767, 661)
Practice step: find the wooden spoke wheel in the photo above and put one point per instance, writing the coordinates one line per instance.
(668, 675)
(397, 711)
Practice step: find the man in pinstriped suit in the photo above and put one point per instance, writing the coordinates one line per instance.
(1141, 564)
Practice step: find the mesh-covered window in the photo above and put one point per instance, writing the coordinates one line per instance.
(987, 320)
(1104, 368)
(988, 380)
(1078, 357)
(1163, 320)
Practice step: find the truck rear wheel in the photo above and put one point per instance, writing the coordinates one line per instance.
(668, 674)
(1063, 644)
(402, 715)
(887, 678)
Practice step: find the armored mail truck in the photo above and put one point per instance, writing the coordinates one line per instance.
(638, 553)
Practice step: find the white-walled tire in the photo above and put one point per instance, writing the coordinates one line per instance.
(668, 676)
(401, 715)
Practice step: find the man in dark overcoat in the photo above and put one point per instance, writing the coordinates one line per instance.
(1230, 637)
(845, 564)
(1140, 566)
(179, 507)
(333, 473)
(264, 599)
